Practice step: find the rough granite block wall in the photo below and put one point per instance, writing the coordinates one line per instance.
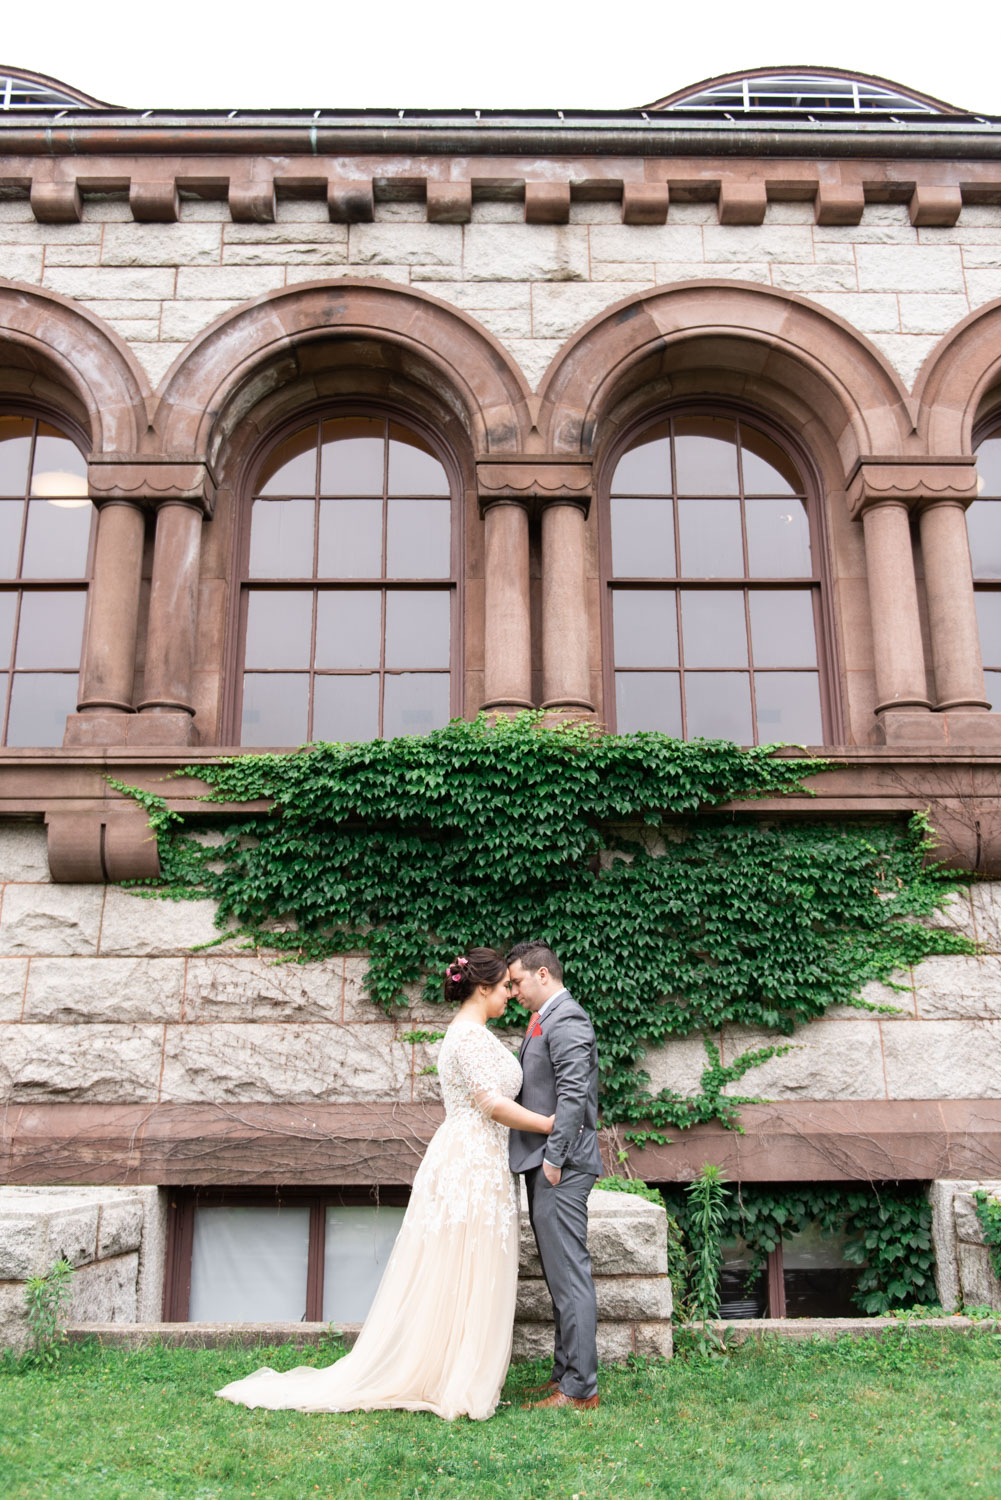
(963, 1272)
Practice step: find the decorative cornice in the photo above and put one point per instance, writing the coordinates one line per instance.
(535, 481)
(151, 482)
(913, 482)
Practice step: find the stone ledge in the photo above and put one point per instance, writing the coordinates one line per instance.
(832, 1328)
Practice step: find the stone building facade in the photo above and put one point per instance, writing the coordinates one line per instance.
(709, 375)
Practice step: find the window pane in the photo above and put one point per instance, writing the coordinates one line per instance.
(39, 705)
(11, 514)
(346, 708)
(281, 539)
(645, 469)
(59, 467)
(348, 628)
(705, 452)
(718, 706)
(248, 1264)
(8, 607)
(648, 700)
(418, 539)
(989, 465)
(782, 633)
(642, 538)
(351, 456)
(57, 538)
(983, 523)
(710, 539)
(291, 468)
(279, 627)
(778, 539)
(275, 706)
(713, 627)
(413, 467)
(993, 685)
(788, 706)
(989, 620)
(358, 1244)
(50, 630)
(415, 703)
(15, 450)
(350, 539)
(767, 470)
(645, 628)
(417, 629)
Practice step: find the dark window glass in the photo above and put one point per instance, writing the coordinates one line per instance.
(50, 630)
(8, 610)
(418, 538)
(782, 632)
(989, 465)
(645, 623)
(57, 539)
(350, 539)
(789, 707)
(11, 519)
(58, 468)
(713, 628)
(993, 681)
(417, 629)
(642, 538)
(413, 467)
(767, 470)
(646, 468)
(281, 539)
(352, 456)
(983, 523)
(40, 703)
(15, 452)
(989, 620)
(291, 468)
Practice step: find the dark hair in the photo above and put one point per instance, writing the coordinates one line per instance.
(536, 955)
(468, 970)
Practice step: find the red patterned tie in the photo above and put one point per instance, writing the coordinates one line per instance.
(534, 1028)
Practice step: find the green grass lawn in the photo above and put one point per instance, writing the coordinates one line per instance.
(916, 1415)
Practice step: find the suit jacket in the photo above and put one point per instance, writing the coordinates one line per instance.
(560, 1069)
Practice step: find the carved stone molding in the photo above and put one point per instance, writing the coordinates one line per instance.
(151, 482)
(535, 481)
(94, 846)
(911, 482)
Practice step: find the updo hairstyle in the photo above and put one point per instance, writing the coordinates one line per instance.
(469, 970)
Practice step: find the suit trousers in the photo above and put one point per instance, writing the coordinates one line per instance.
(559, 1221)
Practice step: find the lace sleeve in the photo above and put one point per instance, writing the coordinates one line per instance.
(478, 1066)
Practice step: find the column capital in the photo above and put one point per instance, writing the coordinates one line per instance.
(534, 481)
(913, 482)
(151, 482)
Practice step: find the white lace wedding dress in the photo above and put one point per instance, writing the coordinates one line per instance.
(438, 1335)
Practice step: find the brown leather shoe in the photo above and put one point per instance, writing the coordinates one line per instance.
(546, 1389)
(560, 1398)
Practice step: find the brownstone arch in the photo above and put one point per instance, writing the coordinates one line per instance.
(960, 383)
(56, 354)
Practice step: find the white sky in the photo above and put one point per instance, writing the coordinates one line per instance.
(518, 53)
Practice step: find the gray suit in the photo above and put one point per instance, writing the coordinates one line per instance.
(560, 1068)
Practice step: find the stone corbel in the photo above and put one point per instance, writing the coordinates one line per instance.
(94, 845)
(911, 482)
(151, 482)
(534, 481)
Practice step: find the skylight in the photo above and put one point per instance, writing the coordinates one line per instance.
(33, 91)
(801, 91)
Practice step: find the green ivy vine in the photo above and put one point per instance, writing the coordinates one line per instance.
(988, 1212)
(416, 848)
(888, 1229)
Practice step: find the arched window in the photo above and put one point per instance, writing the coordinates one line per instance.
(712, 583)
(347, 610)
(46, 542)
(983, 524)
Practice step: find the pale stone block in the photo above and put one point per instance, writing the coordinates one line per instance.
(983, 286)
(830, 1060)
(968, 1226)
(943, 1060)
(290, 255)
(405, 244)
(148, 927)
(641, 272)
(137, 330)
(925, 313)
(750, 242)
(954, 985)
(833, 252)
(13, 972)
(302, 211)
(437, 274)
(985, 255)
(906, 351)
(506, 322)
(790, 211)
(284, 1063)
(280, 234)
(535, 1341)
(904, 235)
(185, 320)
(900, 999)
(985, 908)
(104, 989)
(869, 312)
(654, 1340)
(120, 1227)
(620, 1299)
(475, 296)
(23, 852)
(498, 211)
(693, 213)
(152, 1254)
(107, 208)
(105, 1292)
(156, 359)
(909, 268)
(210, 283)
(399, 211)
(810, 277)
(101, 1064)
(161, 245)
(50, 919)
(203, 210)
(558, 311)
(745, 270)
(598, 212)
(980, 1286)
(234, 988)
(73, 255)
(16, 210)
(941, 1195)
(678, 1065)
(646, 242)
(122, 308)
(52, 236)
(526, 252)
(296, 274)
(534, 356)
(143, 282)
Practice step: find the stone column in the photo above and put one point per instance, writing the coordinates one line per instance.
(507, 645)
(952, 614)
(173, 612)
(893, 606)
(109, 658)
(566, 682)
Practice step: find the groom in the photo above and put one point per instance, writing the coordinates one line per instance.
(560, 1065)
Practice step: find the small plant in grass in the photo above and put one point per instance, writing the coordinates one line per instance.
(707, 1198)
(988, 1211)
(46, 1297)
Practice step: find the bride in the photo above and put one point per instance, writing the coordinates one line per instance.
(438, 1334)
